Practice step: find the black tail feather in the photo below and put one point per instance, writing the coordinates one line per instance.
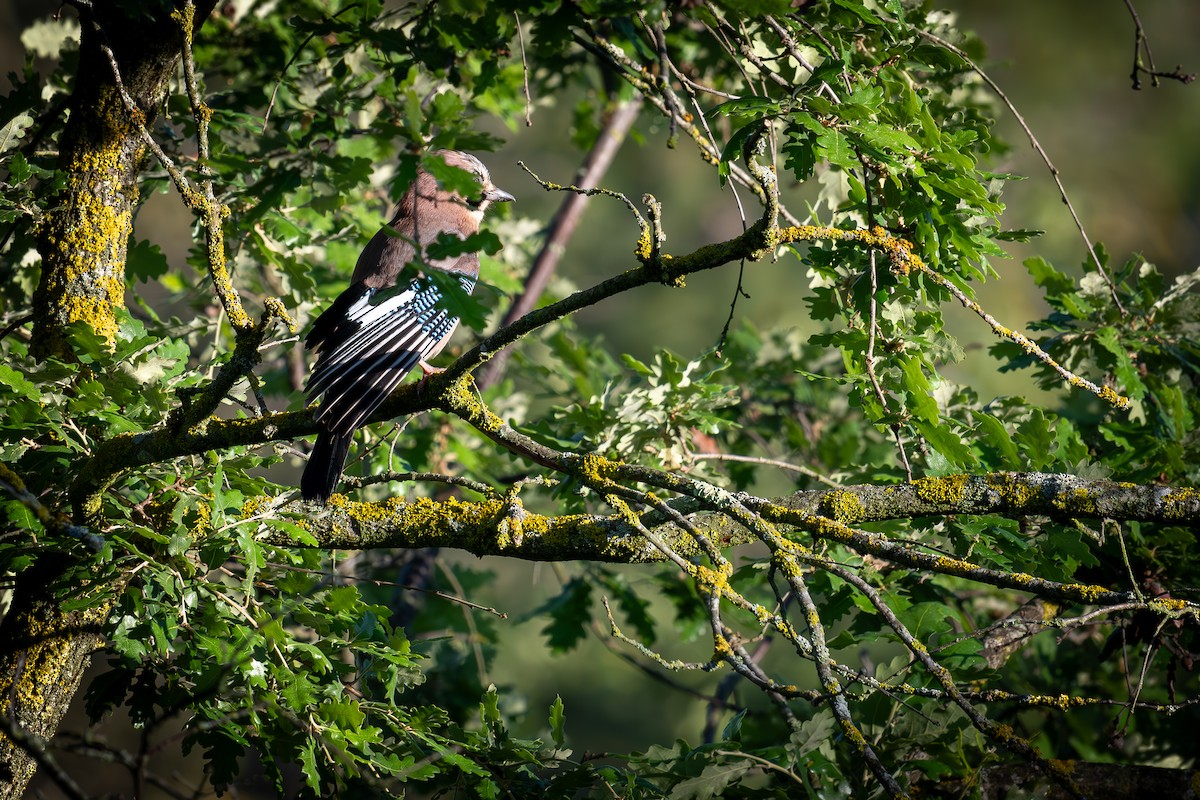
(325, 465)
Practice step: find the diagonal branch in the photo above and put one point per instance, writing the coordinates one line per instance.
(562, 227)
(1037, 146)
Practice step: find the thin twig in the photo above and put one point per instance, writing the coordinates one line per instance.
(18, 322)
(296, 54)
(352, 482)
(873, 323)
(524, 73)
(768, 462)
(1037, 146)
(563, 226)
(1105, 393)
(1141, 42)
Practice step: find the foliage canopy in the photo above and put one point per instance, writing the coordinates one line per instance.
(957, 581)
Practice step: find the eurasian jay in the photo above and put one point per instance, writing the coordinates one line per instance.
(370, 338)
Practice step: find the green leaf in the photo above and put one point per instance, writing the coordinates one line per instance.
(993, 432)
(857, 8)
(1047, 277)
(919, 392)
(570, 612)
(733, 148)
(946, 442)
(297, 691)
(886, 137)
(750, 9)
(19, 170)
(13, 130)
(732, 730)
(308, 765)
(558, 723)
(18, 383)
(145, 261)
(1036, 440)
(748, 106)
(1018, 235)
(813, 733)
(712, 782)
(448, 245)
(489, 707)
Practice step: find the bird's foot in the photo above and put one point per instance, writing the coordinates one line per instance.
(427, 372)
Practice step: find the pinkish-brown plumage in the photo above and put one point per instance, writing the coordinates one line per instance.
(374, 334)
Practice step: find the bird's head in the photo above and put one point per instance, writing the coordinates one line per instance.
(488, 192)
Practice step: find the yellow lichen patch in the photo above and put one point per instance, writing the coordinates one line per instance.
(1110, 396)
(1085, 592)
(842, 506)
(1076, 501)
(899, 251)
(83, 239)
(1014, 493)
(954, 566)
(595, 469)
(87, 262)
(1180, 503)
(1003, 732)
(948, 490)
(1167, 605)
(48, 665)
(829, 529)
(644, 250)
(460, 398)
(853, 735)
(253, 506)
(710, 580)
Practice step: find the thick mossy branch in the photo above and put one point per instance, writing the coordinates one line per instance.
(493, 527)
(1010, 494)
(497, 527)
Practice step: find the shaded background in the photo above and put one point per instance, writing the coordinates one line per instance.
(1130, 161)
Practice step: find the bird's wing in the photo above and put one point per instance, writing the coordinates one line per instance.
(372, 339)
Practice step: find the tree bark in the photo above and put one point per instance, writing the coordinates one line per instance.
(83, 240)
(44, 654)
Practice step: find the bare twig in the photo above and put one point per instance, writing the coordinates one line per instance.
(873, 321)
(1037, 146)
(484, 489)
(1141, 43)
(767, 462)
(563, 226)
(1105, 393)
(524, 73)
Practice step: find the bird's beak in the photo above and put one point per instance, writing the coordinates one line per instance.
(498, 196)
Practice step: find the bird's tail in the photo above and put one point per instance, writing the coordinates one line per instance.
(325, 465)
